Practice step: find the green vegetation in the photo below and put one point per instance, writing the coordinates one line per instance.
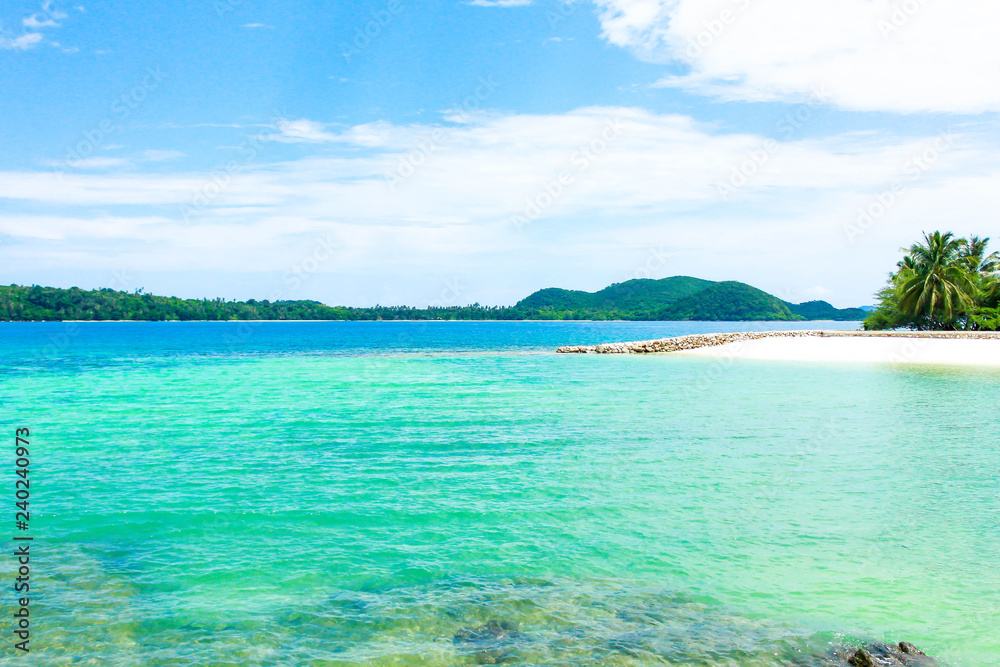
(638, 299)
(821, 310)
(677, 298)
(728, 301)
(944, 283)
(53, 304)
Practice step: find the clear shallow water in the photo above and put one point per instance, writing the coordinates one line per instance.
(310, 500)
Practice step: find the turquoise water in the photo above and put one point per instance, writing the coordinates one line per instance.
(306, 494)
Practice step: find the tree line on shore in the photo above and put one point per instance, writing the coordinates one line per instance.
(666, 299)
(35, 303)
(943, 283)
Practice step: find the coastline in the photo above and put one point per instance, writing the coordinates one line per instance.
(454, 319)
(912, 347)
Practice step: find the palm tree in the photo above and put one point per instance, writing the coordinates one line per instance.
(903, 265)
(986, 270)
(974, 252)
(936, 285)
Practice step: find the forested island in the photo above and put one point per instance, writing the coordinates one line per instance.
(942, 283)
(676, 298)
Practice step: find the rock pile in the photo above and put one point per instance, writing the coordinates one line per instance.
(903, 654)
(710, 340)
(680, 343)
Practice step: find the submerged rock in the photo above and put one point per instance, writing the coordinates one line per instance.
(491, 643)
(861, 658)
(907, 647)
(877, 654)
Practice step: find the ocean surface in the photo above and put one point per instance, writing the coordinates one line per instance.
(454, 493)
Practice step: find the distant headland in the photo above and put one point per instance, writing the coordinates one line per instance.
(669, 299)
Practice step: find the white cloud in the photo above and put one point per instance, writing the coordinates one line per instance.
(107, 163)
(253, 26)
(901, 55)
(500, 3)
(817, 293)
(35, 22)
(653, 180)
(235, 125)
(161, 155)
(301, 131)
(22, 43)
(48, 17)
(93, 163)
(52, 227)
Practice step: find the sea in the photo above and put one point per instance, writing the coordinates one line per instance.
(456, 493)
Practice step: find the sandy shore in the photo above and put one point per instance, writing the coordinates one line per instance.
(941, 348)
(952, 352)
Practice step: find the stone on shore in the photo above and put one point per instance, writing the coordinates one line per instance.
(695, 341)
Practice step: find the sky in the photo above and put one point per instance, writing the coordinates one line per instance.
(446, 153)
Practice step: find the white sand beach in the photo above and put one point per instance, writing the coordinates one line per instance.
(860, 349)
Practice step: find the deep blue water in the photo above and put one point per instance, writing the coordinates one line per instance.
(79, 342)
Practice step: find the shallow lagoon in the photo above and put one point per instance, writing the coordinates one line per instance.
(358, 493)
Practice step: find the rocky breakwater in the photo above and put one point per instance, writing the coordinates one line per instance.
(681, 342)
(710, 340)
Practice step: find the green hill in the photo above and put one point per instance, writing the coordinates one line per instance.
(730, 302)
(677, 298)
(618, 301)
(555, 298)
(821, 310)
(649, 294)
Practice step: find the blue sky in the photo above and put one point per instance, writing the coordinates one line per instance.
(457, 152)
